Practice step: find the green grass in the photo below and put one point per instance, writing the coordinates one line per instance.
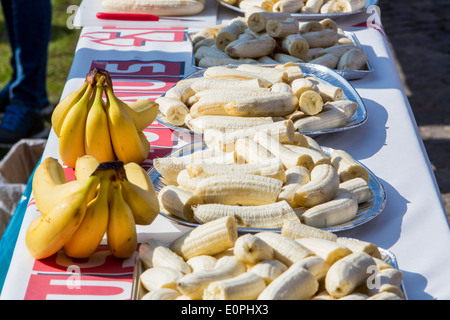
(60, 53)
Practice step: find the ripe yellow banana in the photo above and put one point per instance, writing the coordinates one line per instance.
(92, 229)
(143, 113)
(121, 231)
(85, 166)
(139, 193)
(97, 138)
(129, 144)
(72, 133)
(47, 234)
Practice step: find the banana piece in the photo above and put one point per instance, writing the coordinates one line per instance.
(269, 270)
(238, 92)
(338, 50)
(121, 231)
(347, 106)
(160, 278)
(328, 60)
(272, 215)
(348, 5)
(386, 280)
(282, 28)
(230, 33)
(182, 91)
(310, 26)
(158, 255)
(209, 238)
(161, 294)
(295, 45)
(287, 250)
(291, 6)
(281, 87)
(228, 73)
(327, 91)
(341, 209)
(328, 7)
(266, 5)
(85, 166)
(249, 151)
(312, 6)
(296, 230)
(316, 265)
(97, 138)
(50, 185)
(323, 187)
(250, 249)
(312, 144)
(194, 284)
(246, 286)
(331, 117)
(173, 110)
(301, 85)
(360, 246)
(63, 107)
(202, 263)
(316, 156)
(384, 295)
(328, 23)
(347, 167)
(224, 123)
(178, 202)
(321, 39)
(92, 229)
(185, 182)
(72, 133)
(159, 8)
(209, 51)
(310, 102)
(139, 193)
(203, 83)
(296, 177)
(359, 189)
(257, 20)
(292, 70)
(288, 157)
(47, 234)
(330, 251)
(285, 58)
(129, 144)
(348, 273)
(355, 296)
(296, 283)
(252, 48)
(354, 59)
(238, 189)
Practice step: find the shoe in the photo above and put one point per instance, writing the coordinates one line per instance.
(20, 123)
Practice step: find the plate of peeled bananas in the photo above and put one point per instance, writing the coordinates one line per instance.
(263, 178)
(262, 37)
(214, 262)
(302, 9)
(234, 97)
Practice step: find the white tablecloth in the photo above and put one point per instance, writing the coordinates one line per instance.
(413, 225)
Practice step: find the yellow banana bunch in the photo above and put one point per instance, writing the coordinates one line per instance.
(108, 129)
(106, 199)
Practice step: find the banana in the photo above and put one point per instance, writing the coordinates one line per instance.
(202, 263)
(209, 238)
(129, 144)
(354, 59)
(310, 26)
(63, 107)
(207, 62)
(252, 48)
(288, 157)
(272, 168)
(47, 234)
(139, 193)
(271, 215)
(287, 250)
(296, 177)
(121, 231)
(257, 20)
(249, 151)
(157, 254)
(173, 110)
(310, 102)
(331, 117)
(348, 5)
(327, 23)
(312, 6)
(384, 295)
(182, 91)
(301, 85)
(203, 83)
(323, 187)
(185, 182)
(97, 142)
(229, 73)
(72, 133)
(347, 167)
(85, 166)
(246, 286)
(194, 284)
(346, 274)
(269, 270)
(50, 185)
(300, 140)
(161, 294)
(316, 156)
(328, 7)
(282, 28)
(338, 50)
(230, 33)
(339, 210)
(291, 6)
(355, 296)
(224, 123)
(143, 113)
(316, 265)
(360, 246)
(250, 249)
(238, 92)
(327, 91)
(386, 280)
(89, 234)
(330, 251)
(160, 278)
(296, 230)
(292, 70)
(238, 189)
(280, 57)
(209, 51)
(159, 8)
(266, 5)
(359, 189)
(295, 45)
(178, 202)
(296, 283)
(321, 39)
(329, 60)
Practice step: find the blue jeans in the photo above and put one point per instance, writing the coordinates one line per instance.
(28, 23)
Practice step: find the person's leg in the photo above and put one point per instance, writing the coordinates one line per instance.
(4, 93)
(31, 24)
